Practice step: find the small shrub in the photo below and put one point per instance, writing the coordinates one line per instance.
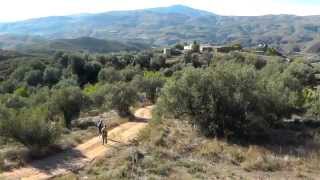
(160, 139)
(312, 98)
(238, 156)
(90, 89)
(16, 102)
(8, 86)
(65, 83)
(129, 73)
(162, 168)
(263, 163)
(258, 159)
(22, 91)
(210, 150)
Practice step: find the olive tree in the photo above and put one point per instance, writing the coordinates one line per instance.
(150, 83)
(227, 99)
(51, 75)
(92, 70)
(31, 127)
(69, 102)
(120, 96)
(8, 86)
(34, 77)
(143, 60)
(129, 73)
(109, 75)
(158, 62)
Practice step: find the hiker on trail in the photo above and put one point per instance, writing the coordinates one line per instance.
(100, 126)
(142, 100)
(104, 134)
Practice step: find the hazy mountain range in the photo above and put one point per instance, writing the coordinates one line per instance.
(169, 25)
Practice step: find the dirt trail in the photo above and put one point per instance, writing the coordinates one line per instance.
(78, 157)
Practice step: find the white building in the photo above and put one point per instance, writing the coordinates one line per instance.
(206, 48)
(167, 51)
(187, 47)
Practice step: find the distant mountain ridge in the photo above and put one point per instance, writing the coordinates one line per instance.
(169, 25)
(180, 9)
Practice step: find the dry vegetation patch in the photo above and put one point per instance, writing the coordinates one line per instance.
(172, 149)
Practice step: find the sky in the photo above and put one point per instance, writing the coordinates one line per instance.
(14, 10)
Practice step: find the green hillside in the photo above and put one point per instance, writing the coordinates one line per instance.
(83, 44)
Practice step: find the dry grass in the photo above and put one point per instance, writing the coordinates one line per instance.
(264, 163)
(73, 138)
(70, 176)
(12, 154)
(172, 149)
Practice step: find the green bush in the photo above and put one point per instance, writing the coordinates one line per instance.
(273, 52)
(15, 102)
(303, 72)
(143, 60)
(129, 73)
(312, 99)
(95, 95)
(179, 46)
(65, 83)
(22, 91)
(92, 70)
(41, 97)
(280, 90)
(37, 64)
(90, 89)
(77, 64)
(98, 96)
(109, 75)
(51, 76)
(30, 127)
(34, 77)
(8, 86)
(20, 73)
(224, 99)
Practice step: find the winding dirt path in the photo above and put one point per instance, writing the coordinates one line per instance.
(80, 156)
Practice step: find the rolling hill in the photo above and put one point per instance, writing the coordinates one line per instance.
(82, 44)
(169, 25)
(314, 48)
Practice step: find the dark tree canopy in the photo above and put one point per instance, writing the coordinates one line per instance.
(69, 102)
